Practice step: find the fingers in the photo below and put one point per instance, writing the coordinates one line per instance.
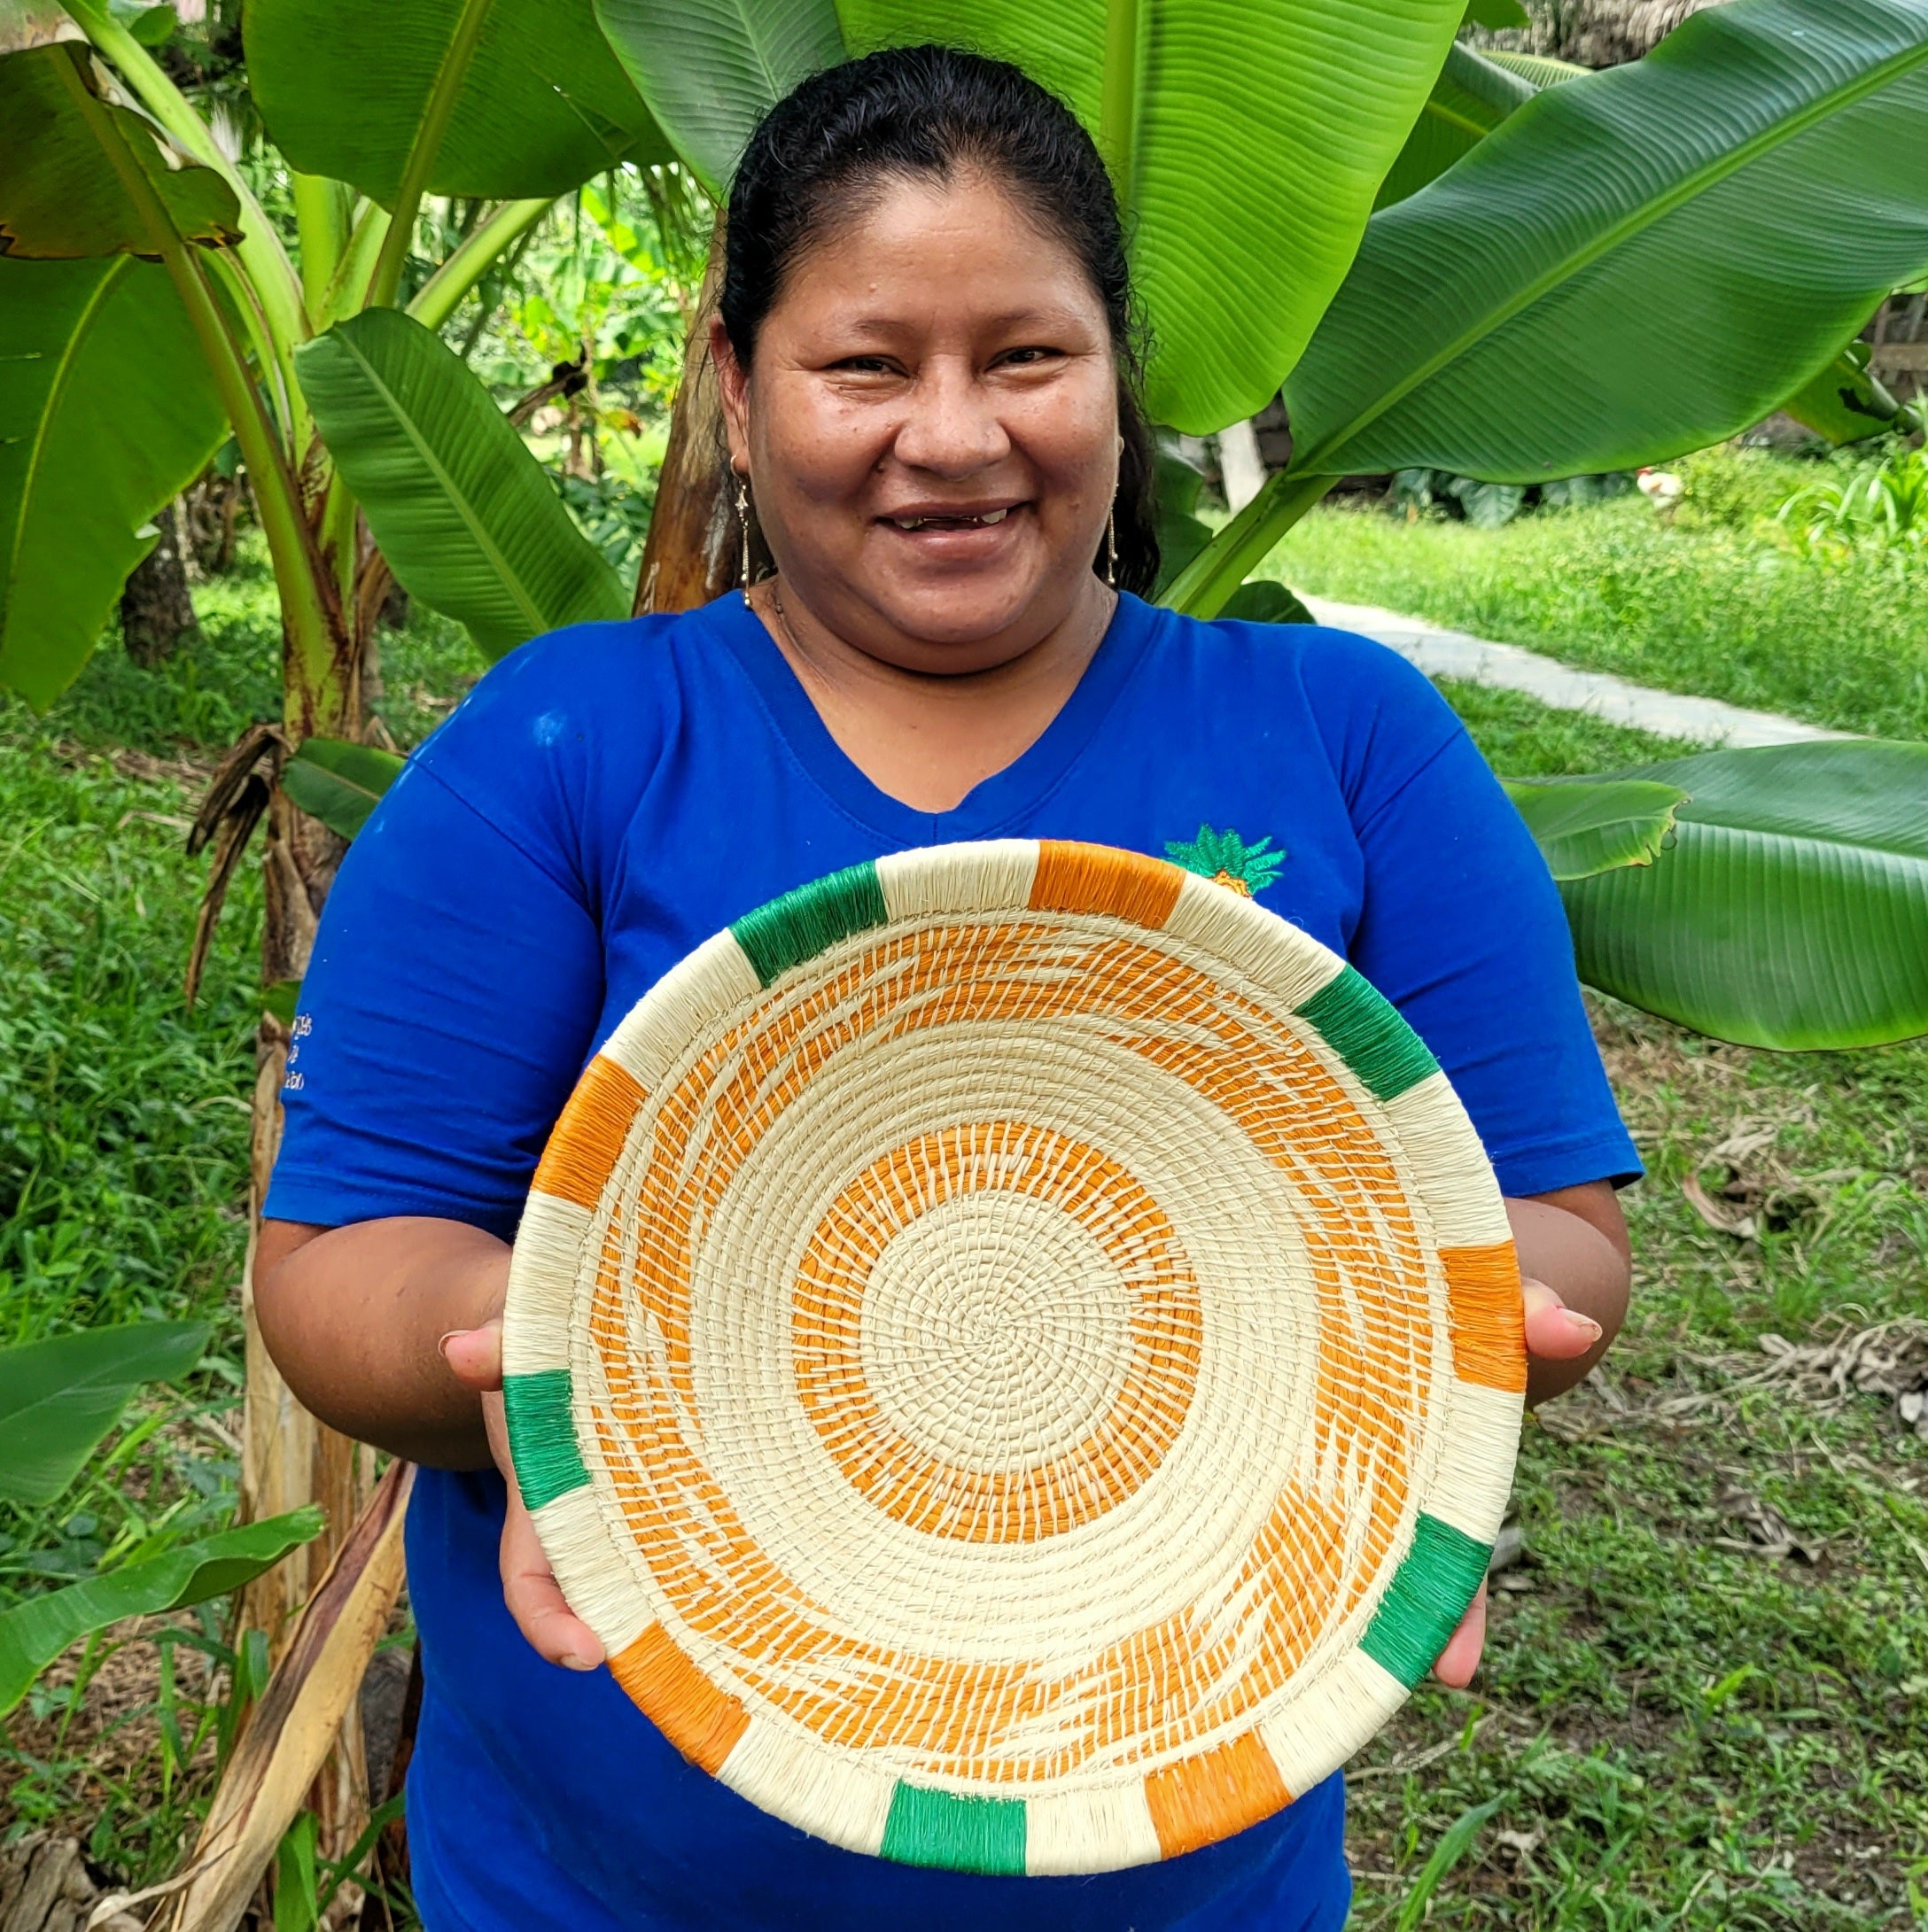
(1554, 1331)
(1460, 1658)
(474, 1355)
(554, 1631)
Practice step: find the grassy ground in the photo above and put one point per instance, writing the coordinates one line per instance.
(1709, 602)
(1676, 1726)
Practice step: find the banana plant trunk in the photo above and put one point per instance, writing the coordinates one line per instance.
(290, 1458)
(691, 552)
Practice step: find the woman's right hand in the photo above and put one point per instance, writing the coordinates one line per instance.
(529, 1588)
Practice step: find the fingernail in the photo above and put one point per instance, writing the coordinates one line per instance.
(574, 1660)
(441, 1348)
(1584, 1323)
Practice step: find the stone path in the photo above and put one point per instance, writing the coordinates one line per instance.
(1440, 653)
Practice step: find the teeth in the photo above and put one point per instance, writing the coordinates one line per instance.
(919, 523)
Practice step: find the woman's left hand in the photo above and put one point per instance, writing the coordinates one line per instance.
(1554, 1333)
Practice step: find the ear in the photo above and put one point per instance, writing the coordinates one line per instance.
(733, 387)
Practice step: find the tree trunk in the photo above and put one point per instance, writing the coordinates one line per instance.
(691, 552)
(289, 1458)
(156, 612)
(209, 508)
(1595, 33)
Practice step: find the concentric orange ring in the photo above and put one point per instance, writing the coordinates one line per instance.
(1035, 1499)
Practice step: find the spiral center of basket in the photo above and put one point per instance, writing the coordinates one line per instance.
(995, 1332)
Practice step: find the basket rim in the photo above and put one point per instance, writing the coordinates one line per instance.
(1403, 1094)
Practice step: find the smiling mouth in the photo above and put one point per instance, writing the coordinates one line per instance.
(950, 522)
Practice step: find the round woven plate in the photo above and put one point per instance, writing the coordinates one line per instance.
(1016, 1352)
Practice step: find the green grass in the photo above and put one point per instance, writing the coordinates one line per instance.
(1710, 603)
(123, 1117)
(1523, 738)
(230, 676)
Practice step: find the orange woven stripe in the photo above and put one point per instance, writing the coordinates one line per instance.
(1208, 1797)
(1086, 879)
(703, 1722)
(1489, 1335)
(589, 1135)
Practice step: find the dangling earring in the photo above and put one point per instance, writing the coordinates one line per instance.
(1111, 549)
(743, 523)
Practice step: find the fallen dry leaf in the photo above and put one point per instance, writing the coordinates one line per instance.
(1722, 1216)
(1767, 1529)
(291, 1732)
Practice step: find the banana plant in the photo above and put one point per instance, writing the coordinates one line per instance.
(150, 308)
(1629, 266)
(1588, 272)
(58, 1399)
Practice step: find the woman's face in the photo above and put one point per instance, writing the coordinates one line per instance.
(929, 427)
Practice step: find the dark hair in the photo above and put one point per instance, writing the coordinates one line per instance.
(928, 111)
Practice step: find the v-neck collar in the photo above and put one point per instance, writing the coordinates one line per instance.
(1003, 799)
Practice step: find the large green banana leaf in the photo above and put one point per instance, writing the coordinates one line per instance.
(63, 148)
(1637, 263)
(60, 1396)
(536, 103)
(1791, 908)
(710, 69)
(1584, 825)
(465, 515)
(338, 782)
(1469, 99)
(1248, 138)
(107, 412)
(1540, 69)
(32, 1633)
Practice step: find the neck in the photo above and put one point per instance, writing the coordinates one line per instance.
(927, 738)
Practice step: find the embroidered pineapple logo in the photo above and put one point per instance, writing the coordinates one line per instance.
(1227, 860)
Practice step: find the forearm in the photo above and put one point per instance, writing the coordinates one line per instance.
(354, 1318)
(1577, 1244)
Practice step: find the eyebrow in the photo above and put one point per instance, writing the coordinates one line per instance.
(886, 324)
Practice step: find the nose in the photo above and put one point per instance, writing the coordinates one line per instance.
(951, 426)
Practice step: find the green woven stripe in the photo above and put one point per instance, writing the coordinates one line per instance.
(1364, 1027)
(961, 1834)
(1429, 1595)
(803, 923)
(542, 1435)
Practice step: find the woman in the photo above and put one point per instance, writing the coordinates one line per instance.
(926, 357)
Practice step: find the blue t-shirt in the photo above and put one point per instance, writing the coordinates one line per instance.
(605, 800)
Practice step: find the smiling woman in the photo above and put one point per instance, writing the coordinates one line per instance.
(936, 427)
(926, 349)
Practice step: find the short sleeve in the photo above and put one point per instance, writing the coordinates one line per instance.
(449, 1008)
(1461, 929)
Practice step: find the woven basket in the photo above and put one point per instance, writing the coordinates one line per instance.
(1016, 1351)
